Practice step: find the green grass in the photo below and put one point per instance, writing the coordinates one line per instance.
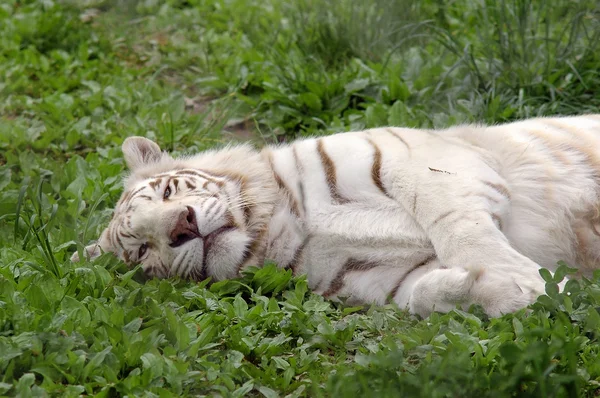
(76, 78)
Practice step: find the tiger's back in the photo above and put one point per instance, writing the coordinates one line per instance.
(429, 219)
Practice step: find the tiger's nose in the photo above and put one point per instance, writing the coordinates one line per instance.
(185, 229)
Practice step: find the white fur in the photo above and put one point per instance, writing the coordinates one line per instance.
(431, 219)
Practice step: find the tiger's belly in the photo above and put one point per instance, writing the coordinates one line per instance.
(363, 252)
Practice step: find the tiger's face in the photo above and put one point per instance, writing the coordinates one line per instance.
(184, 221)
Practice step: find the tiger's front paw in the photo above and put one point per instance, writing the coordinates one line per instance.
(498, 293)
(442, 290)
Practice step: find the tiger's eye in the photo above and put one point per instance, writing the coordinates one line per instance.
(167, 193)
(142, 251)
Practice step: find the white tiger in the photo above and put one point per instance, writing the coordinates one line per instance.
(428, 219)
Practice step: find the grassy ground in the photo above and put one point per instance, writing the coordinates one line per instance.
(77, 77)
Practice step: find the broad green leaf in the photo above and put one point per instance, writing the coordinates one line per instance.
(95, 362)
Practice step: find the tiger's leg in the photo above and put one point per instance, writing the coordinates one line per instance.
(462, 210)
(444, 289)
(482, 268)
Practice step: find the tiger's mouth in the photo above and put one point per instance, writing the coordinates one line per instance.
(187, 230)
(184, 238)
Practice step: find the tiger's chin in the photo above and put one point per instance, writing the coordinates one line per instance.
(227, 255)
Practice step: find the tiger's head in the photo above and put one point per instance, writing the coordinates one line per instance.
(194, 217)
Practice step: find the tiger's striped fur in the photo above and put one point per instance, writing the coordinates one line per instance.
(430, 219)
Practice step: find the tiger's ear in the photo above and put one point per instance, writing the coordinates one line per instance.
(140, 151)
(95, 249)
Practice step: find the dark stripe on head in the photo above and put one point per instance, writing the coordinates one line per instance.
(124, 198)
(201, 174)
(119, 241)
(210, 176)
(337, 283)
(330, 173)
(210, 206)
(190, 172)
(189, 185)
(175, 183)
(109, 234)
(155, 183)
(376, 168)
(163, 268)
(135, 193)
(126, 255)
